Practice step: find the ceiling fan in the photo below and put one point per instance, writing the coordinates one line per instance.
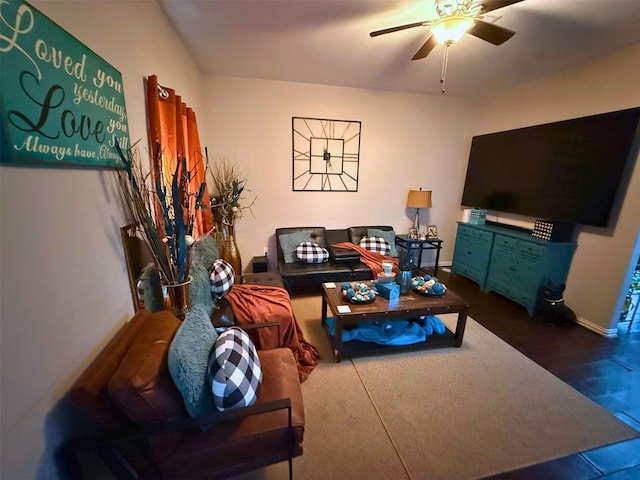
(457, 17)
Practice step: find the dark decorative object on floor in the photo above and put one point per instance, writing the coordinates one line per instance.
(552, 305)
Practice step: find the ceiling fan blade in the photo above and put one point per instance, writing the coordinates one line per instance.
(490, 32)
(401, 27)
(425, 49)
(489, 5)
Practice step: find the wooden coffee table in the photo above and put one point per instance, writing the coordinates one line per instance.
(407, 306)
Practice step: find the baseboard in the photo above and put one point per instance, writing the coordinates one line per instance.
(440, 264)
(624, 325)
(445, 265)
(599, 329)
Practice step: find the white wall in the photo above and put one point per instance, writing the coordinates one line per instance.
(407, 142)
(64, 288)
(599, 272)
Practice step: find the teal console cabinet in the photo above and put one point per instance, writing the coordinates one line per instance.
(517, 265)
(472, 252)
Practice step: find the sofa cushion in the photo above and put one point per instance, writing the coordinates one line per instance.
(188, 358)
(222, 278)
(309, 252)
(141, 386)
(270, 279)
(388, 235)
(376, 245)
(234, 370)
(290, 241)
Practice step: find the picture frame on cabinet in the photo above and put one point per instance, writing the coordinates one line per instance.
(432, 231)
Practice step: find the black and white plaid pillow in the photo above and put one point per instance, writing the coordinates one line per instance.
(222, 277)
(376, 245)
(309, 252)
(234, 370)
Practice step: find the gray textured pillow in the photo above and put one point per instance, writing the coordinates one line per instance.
(188, 358)
(290, 241)
(388, 235)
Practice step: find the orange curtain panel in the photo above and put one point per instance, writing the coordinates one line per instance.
(173, 126)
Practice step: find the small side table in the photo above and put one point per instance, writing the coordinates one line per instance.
(415, 244)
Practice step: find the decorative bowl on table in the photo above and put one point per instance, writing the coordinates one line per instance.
(382, 278)
(428, 286)
(357, 292)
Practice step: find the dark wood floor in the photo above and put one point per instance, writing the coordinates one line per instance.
(604, 369)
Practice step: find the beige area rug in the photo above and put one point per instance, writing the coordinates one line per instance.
(437, 414)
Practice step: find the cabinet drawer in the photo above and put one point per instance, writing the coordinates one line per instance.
(463, 230)
(525, 299)
(531, 250)
(508, 243)
(482, 236)
(468, 271)
(474, 233)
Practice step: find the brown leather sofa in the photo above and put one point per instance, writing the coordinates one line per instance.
(129, 393)
(343, 264)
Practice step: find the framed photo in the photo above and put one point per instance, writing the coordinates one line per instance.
(432, 231)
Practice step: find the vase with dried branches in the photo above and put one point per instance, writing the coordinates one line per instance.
(227, 206)
(164, 209)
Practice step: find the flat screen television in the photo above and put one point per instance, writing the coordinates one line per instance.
(567, 171)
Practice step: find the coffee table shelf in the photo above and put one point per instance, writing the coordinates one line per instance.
(407, 306)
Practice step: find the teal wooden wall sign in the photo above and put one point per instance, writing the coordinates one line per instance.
(60, 103)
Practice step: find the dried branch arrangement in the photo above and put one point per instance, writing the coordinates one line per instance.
(228, 187)
(165, 210)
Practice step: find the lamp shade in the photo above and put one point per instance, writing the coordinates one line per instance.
(419, 199)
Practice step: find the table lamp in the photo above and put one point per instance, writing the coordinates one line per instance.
(418, 199)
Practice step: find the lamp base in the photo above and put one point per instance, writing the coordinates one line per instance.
(414, 231)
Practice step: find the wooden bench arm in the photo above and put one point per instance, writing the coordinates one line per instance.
(253, 326)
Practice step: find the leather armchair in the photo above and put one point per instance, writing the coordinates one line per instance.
(145, 427)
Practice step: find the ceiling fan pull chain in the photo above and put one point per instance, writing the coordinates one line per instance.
(445, 59)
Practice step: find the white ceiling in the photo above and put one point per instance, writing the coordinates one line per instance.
(327, 42)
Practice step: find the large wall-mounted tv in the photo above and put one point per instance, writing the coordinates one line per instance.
(566, 171)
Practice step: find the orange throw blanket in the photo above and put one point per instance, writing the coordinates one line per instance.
(370, 259)
(261, 303)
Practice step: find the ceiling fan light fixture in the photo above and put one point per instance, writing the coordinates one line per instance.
(448, 30)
